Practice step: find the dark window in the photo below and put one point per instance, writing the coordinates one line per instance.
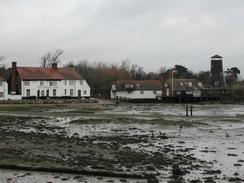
(71, 92)
(28, 93)
(54, 92)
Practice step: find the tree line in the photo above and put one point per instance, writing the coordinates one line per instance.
(100, 75)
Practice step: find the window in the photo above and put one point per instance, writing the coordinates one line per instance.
(81, 82)
(28, 93)
(71, 82)
(27, 83)
(65, 82)
(54, 92)
(42, 93)
(41, 83)
(53, 83)
(1, 83)
(154, 92)
(84, 92)
(200, 84)
(216, 83)
(142, 92)
(1, 94)
(65, 92)
(71, 92)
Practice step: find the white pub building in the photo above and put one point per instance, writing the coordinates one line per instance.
(54, 82)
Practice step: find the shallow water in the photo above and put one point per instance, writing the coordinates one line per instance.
(178, 109)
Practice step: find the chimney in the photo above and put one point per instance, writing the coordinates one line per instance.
(54, 66)
(13, 78)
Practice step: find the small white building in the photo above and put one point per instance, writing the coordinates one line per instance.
(54, 82)
(136, 90)
(3, 89)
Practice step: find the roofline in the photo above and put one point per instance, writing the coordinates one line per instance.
(216, 56)
(42, 79)
(141, 90)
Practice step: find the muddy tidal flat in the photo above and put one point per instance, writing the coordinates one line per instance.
(108, 142)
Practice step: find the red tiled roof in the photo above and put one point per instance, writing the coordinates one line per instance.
(39, 73)
(69, 74)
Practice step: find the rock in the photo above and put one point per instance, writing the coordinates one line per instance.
(181, 142)
(110, 181)
(176, 171)
(209, 180)
(240, 161)
(211, 172)
(153, 180)
(77, 177)
(235, 179)
(230, 154)
(150, 168)
(123, 180)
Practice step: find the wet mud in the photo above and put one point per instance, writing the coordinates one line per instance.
(104, 143)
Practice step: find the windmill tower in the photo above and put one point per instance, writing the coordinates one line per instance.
(217, 79)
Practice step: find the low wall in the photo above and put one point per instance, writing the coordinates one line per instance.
(48, 101)
(13, 97)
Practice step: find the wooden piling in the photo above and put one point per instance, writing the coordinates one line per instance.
(187, 110)
(191, 110)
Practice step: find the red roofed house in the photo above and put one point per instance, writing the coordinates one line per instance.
(39, 82)
(136, 90)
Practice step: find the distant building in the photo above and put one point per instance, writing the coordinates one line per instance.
(54, 82)
(3, 89)
(217, 79)
(182, 88)
(136, 90)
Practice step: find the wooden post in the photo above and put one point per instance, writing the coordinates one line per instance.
(191, 110)
(187, 110)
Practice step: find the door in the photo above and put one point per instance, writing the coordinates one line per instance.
(28, 93)
(47, 93)
(38, 93)
(79, 93)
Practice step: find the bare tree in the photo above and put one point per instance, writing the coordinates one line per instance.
(125, 65)
(45, 59)
(51, 57)
(56, 56)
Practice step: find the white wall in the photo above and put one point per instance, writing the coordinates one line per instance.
(60, 87)
(3, 90)
(13, 97)
(147, 94)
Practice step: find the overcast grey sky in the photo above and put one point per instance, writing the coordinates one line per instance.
(151, 33)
